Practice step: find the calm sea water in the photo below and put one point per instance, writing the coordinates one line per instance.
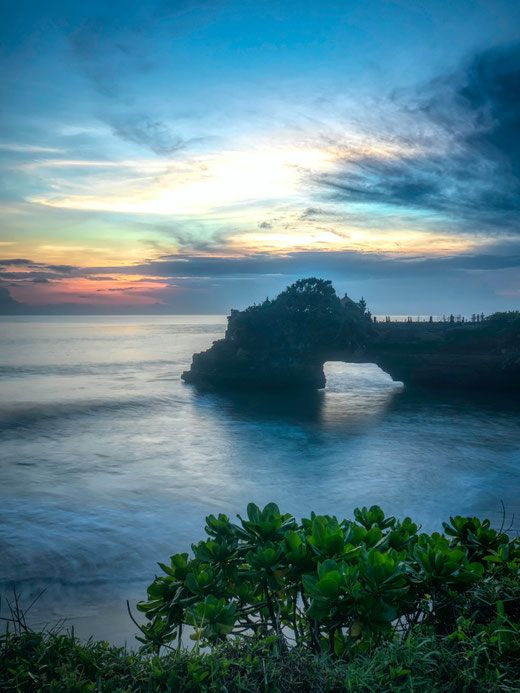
(109, 462)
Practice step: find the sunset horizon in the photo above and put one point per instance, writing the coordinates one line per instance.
(190, 157)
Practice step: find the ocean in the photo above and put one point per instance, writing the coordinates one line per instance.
(109, 462)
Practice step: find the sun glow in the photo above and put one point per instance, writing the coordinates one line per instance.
(405, 241)
(197, 185)
(254, 198)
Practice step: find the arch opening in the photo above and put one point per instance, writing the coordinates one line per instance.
(341, 376)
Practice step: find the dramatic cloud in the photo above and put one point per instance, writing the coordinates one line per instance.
(339, 264)
(472, 176)
(187, 283)
(209, 153)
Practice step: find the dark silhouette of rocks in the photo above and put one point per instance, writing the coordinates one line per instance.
(445, 355)
(283, 344)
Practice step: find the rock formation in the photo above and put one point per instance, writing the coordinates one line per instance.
(468, 356)
(283, 344)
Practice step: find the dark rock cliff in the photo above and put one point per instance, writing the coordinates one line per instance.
(469, 356)
(283, 344)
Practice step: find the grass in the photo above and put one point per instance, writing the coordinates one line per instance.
(474, 659)
(455, 626)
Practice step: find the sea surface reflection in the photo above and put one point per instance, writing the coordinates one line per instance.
(110, 462)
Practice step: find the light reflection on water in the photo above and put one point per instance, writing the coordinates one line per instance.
(110, 462)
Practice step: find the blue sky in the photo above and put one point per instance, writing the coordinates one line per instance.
(193, 156)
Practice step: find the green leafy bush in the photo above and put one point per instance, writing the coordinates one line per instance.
(318, 606)
(327, 585)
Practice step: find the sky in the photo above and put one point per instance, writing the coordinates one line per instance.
(178, 156)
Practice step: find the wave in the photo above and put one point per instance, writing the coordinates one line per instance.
(28, 414)
(74, 369)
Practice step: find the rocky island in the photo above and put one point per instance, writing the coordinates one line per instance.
(283, 343)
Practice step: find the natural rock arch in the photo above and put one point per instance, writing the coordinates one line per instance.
(341, 375)
(283, 344)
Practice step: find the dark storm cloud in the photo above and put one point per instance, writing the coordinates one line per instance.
(491, 91)
(472, 177)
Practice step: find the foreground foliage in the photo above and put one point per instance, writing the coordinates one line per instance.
(327, 585)
(321, 605)
(474, 658)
